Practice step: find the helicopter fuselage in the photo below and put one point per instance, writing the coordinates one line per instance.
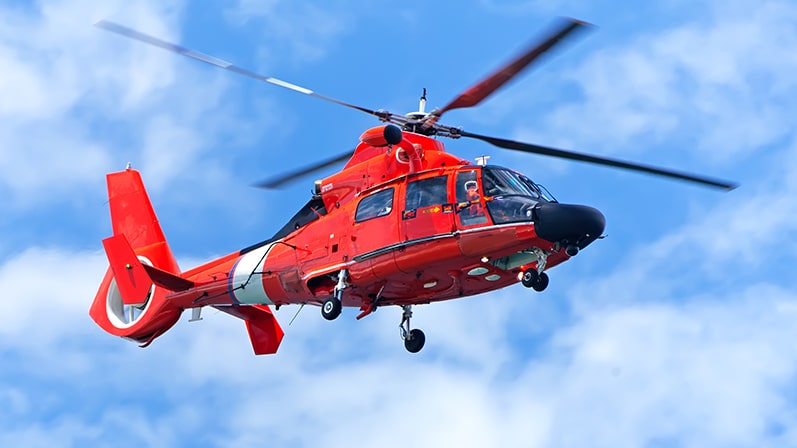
(403, 223)
(450, 229)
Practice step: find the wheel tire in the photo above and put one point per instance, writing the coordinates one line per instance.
(331, 308)
(541, 283)
(529, 278)
(414, 343)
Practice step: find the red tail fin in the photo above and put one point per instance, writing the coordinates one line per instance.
(131, 299)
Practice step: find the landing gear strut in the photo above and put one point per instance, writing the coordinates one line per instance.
(535, 278)
(413, 338)
(332, 306)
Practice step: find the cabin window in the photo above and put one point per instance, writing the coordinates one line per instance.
(426, 192)
(375, 205)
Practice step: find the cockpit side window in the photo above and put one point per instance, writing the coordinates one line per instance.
(375, 205)
(467, 186)
(498, 181)
(469, 199)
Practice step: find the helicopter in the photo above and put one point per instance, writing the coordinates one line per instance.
(403, 223)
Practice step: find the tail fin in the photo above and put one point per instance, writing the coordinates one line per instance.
(131, 299)
(132, 215)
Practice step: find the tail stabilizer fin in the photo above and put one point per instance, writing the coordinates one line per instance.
(167, 280)
(135, 285)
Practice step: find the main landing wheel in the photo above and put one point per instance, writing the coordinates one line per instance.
(529, 278)
(331, 308)
(414, 341)
(413, 338)
(532, 279)
(541, 283)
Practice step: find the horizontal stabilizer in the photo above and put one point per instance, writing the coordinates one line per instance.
(168, 280)
(132, 280)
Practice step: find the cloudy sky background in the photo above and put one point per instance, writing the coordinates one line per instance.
(676, 330)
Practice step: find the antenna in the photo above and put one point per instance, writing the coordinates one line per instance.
(422, 106)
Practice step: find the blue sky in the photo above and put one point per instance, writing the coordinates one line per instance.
(676, 330)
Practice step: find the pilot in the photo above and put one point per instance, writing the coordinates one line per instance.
(489, 186)
(471, 191)
(474, 213)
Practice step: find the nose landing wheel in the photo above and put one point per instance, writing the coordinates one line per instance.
(413, 338)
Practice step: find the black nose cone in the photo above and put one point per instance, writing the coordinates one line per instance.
(567, 223)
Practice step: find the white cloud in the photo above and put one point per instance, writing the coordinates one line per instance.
(720, 82)
(307, 28)
(45, 295)
(707, 373)
(79, 100)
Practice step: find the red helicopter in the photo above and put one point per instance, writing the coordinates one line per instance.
(403, 223)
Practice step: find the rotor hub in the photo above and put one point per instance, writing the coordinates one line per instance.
(417, 123)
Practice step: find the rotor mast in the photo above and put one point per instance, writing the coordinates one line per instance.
(415, 120)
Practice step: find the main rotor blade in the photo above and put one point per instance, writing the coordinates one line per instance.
(478, 92)
(283, 179)
(137, 35)
(571, 155)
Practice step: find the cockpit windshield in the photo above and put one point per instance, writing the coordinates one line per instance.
(500, 181)
(511, 195)
(508, 196)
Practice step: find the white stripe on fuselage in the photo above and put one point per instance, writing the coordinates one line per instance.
(247, 277)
